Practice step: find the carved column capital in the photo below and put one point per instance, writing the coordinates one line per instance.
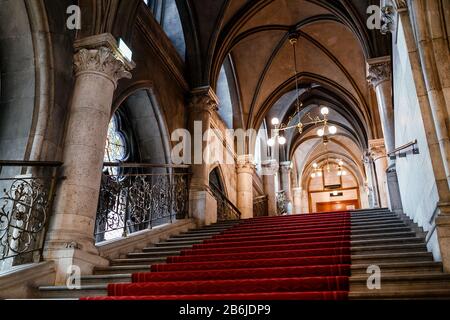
(100, 55)
(377, 148)
(245, 163)
(379, 71)
(286, 167)
(203, 100)
(270, 167)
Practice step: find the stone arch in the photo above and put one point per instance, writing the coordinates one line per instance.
(148, 123)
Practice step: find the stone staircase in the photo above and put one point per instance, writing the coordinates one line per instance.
(379, 237)
(397, 246)
(120, 270)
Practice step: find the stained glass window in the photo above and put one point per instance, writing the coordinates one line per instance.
(116, 146)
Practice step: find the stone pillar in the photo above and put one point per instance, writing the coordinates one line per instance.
(298, 194)
(378, 154)
(245, 170)
(372, 185)
(380, 76)
(286, 169)
(270, 169)
(70, 242)
(203, 205)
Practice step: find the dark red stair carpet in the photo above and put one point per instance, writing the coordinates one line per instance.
(303, 257)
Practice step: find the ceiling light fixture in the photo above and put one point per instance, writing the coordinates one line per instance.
(323, 132)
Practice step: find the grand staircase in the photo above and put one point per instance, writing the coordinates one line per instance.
(323, 256)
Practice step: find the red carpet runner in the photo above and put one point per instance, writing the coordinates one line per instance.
(304, 257)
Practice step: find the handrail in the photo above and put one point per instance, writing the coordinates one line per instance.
(225, 198)
(144, 165)
(406, 146)
(19, 163)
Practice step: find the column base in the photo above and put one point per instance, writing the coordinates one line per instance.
(203, 207)
(68, 256)
(395, 199)
(443, 232)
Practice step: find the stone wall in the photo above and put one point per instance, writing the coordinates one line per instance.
(17, 71)
(415, 173)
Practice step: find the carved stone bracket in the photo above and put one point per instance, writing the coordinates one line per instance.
(245, 163)
(100, 54)
(203, 100)
(377, 148)
(379, 71)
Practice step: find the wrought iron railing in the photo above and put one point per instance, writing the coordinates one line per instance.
(261, 206)
(27, 191)
(137, 197)
(282, 203)
(226, 210)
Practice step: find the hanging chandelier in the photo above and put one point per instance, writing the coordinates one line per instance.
(318, 172)
(280, 128)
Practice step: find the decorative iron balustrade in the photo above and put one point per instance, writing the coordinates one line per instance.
(26, 198)
(133, 202)
(226, 210)
(261, 206)
(282, 203)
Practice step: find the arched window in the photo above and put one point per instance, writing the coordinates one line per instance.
(116, 149)
(224, 95)
(167, 15)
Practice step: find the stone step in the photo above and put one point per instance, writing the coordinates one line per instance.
(399, 268)
(424, 294)
(397, 248)
(197, 234)
(137, 261)
(166, 249)
(399, 283)
(375, 222)
(373, 215)
(382, 235)
(387, 241)
(377, 259)
(121, 269)
(373, 219)
(379, 230)
(178, 243)
(106, 279)
(188, 238)
(161, 254)
(378, 225)
(63, 291)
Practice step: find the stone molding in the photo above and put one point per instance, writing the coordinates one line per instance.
(379, 71)
(270, 167)
(203, 100)
(100, 54)
(245, 163)
(286, 167)
(377, 148)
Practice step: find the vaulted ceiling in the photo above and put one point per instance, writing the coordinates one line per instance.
(332, 51)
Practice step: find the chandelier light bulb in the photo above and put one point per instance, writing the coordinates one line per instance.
(271, 142)
(320, 132)
(275, 121)
(282, 140)
(332, 130)
(315, 165)
(344, 173)
(341, 163)
(325, 111)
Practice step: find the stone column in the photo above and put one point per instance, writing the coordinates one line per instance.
(298, 194)
(372, 185)
(70, 242)
(245, 170)
(380, 77)
(270, 169)
(378, 154)
(286, 169)
(203, 205)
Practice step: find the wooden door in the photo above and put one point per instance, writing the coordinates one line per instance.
(337, 206)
